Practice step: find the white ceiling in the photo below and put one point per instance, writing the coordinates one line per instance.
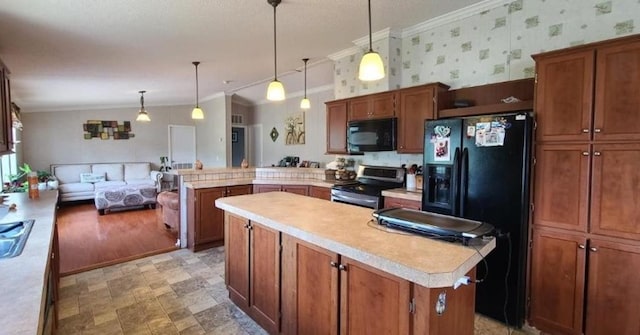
(82, 54)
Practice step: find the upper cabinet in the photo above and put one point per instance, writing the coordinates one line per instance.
(417, 104)
(373, 106)
(6, 135)
(337, 127)
(589, 93)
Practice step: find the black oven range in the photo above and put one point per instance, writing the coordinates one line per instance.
(367, 189)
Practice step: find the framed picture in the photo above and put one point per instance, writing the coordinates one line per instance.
(234, 136)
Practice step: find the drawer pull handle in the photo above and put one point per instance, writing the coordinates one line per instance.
(585, 153)
(333, 264)
(596, 153)
(585, 130)
(597, 130)
(581, 246)
(594, 249)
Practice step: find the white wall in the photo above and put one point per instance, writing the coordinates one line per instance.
(58, 137)
(273, 114)
(213, 134)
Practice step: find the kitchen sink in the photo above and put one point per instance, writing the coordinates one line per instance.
(13, 236)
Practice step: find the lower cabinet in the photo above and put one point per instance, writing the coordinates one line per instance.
(252, 271)
(578, 281)
(325, 293)
(320, 192)
(205, 222)
(297, 189)
(401, 203)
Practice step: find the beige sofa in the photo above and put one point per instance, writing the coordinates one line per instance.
(81, 181)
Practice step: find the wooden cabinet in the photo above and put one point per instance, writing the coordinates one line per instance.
(373, 106)
(205, 222)
(6, 134)
(402, 203)
(417, 104)
(560, 270)
(600, 82)
(585, 213)
(297, 189)
(326, 293)
(320, 192)
(252, 262)
(337, 127)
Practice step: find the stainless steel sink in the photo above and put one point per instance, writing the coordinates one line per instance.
(13, 236)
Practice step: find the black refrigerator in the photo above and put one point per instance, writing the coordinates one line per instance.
(478, 168)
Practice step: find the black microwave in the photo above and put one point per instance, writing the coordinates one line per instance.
(371, 135)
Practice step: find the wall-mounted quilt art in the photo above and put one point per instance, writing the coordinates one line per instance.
(107, 129)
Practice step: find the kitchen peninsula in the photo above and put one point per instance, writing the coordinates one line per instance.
(300, 265)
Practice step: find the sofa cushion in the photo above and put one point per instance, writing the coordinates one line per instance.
(133, 171)
(75, 187)
(70, 173)
(107, 184)
(91, 177)
(113, 172)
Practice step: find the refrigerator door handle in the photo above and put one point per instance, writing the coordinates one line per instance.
(464, 180)
(455, 178)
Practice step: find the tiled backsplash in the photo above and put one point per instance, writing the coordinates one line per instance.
(251, 173)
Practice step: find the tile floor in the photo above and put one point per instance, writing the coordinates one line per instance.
(180, 292)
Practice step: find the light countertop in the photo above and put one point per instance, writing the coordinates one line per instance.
(403, 193)
(22, 278)
(266, 181)
(349, 230)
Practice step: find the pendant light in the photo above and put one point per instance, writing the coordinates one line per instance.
(197, 113)
(371, 67)
(275, 91)
(305, 103)
(143, 116)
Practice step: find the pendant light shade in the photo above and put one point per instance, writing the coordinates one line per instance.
(275, 91)
(143, 116)
(305, 103)
(371, 66)
(197, 113)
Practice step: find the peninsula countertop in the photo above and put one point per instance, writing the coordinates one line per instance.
(22, 282)
(349, 231)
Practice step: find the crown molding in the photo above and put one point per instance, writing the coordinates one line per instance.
(456, 15)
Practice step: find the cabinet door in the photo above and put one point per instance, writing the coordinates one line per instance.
(561, 186)
(264, 304)
(236, 244)
(401, 203)
(617, 100)
(238, 190)
(372, 301)
(337, 127)
(383, 105)
(613, 296)
(209, 218)
(557, 282)
(259, 188)
(5, 111)
(563, 97)
(616, 190)
(360, 108)
(309, 289)
(416, 106)
(297, 189)
(320, 192)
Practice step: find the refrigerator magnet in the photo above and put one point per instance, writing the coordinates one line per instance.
(471, 131)
(441, 151)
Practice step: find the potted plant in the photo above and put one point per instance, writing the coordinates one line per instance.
(44, 177)
(16, 184)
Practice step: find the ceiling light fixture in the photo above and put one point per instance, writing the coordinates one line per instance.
(197, 113)
(275, 91)
(371, 67)
(305, 103)
(143, 116)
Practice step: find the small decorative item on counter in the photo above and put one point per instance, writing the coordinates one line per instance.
(32, 179)
(244, 163)
(199, 165)
(419, 182)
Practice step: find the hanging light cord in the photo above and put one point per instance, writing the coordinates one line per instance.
(142, 101)
(196, 64)
(305, 77)
(370, 40)
(275, 50)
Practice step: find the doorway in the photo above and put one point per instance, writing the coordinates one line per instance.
(238, 145)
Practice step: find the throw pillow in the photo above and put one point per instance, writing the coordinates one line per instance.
(91, 177)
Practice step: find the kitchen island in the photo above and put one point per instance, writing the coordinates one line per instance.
(303, 265)
(24, 279)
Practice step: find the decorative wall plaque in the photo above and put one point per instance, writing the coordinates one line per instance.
(107, 129)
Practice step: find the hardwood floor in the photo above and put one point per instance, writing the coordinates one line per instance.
(89, 240)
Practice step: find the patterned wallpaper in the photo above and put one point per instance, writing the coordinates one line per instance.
(487, 47)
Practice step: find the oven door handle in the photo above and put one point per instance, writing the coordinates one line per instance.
(356, 200)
